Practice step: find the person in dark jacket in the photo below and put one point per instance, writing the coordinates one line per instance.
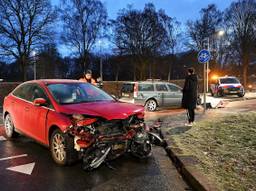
(189, 99)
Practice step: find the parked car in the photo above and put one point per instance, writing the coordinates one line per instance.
(227, 85)
(75, 119)
(151, 94)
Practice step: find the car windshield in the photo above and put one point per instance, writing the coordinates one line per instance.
(73, 93)
(229, 81)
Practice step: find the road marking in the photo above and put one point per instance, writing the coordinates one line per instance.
(25, 168)
(13, 157)
(2, 138)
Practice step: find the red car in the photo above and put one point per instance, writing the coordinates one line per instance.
(75, 119)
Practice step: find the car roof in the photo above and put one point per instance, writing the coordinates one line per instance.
(53, 81)
(227, 77)
(148, 81)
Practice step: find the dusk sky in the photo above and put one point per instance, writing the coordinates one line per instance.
(182, 10)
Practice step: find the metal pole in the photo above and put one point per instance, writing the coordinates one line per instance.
(205, 86)
(207, 66)
(101, 69)
(101, 64)
(34, 68)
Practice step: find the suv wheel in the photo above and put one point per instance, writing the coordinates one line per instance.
(62, 148)
(151, 105)
(9, 127)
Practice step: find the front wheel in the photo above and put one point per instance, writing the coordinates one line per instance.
(241, 95)
(62, 148)
(151, 105)
(9, 127)
(141, 150)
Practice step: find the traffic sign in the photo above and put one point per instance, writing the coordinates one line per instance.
(204, 56)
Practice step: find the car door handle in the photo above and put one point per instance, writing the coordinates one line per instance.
(26, 108)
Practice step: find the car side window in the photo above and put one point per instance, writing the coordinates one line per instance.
(161, 88)
(146, 87)
(173, 88)
(38, 92)
(23, 92)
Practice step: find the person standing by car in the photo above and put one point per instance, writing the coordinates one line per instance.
(189, 98)
(87, 77)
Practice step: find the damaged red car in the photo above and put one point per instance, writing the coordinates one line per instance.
(76, 121)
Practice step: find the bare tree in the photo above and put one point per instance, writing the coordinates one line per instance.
(210, 20)
(141, 35)
(84, 21)
(241, 23)
(24, 25)
(173, 34)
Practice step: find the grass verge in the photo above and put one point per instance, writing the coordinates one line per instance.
(226, 149)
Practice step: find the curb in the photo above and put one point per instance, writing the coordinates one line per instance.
(186, 167)
(242, 99)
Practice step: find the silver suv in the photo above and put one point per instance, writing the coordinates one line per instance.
(151, 94)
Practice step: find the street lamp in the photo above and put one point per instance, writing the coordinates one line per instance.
(219, 34)
(34, 59)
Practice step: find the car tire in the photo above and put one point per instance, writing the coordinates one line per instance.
(62, 148)
(220, 94)
(151, 105)
(241, 95)
(9, 127)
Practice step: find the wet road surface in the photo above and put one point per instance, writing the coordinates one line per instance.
(38, 172)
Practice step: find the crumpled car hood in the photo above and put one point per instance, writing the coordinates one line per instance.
(107, 110)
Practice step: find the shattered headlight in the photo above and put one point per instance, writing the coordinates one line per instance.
(77, 116)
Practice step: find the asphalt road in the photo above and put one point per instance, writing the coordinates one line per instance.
(26, 165)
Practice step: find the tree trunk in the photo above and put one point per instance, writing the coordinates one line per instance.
(117, 73)
(245, 69)
(24, 68)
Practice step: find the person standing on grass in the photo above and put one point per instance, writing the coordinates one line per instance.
(189, 98)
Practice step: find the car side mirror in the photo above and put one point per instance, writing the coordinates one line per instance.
(113, 96)
(40, 102)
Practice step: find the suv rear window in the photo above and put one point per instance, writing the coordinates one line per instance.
(127, 88)
(146, 87)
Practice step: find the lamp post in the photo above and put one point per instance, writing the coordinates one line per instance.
(101, 64)
(34, 59)
(219, 33)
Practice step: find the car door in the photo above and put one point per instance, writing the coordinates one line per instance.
(146, 91)
(19, 103)
(37, 115)
(164, 98)
(175, 94)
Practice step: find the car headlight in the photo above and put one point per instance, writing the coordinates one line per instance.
(78, 117)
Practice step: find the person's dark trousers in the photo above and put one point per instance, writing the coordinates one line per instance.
(191, 115)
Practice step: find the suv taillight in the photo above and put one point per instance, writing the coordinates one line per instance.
(136, 89)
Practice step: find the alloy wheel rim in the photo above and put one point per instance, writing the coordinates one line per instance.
(59, 147)
(8, 126)
(151, 105)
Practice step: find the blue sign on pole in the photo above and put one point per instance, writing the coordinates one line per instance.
(204, 56)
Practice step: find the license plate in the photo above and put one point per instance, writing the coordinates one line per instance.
(233, 92)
